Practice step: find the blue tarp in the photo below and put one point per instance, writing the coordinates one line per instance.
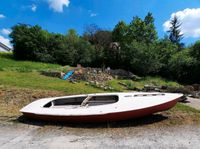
(68, 74)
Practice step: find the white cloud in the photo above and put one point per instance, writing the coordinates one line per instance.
(5, 31)
(190, 19)
(5, 41)
(57, 5)
(33, 7)
(2, 16)
(93, 14)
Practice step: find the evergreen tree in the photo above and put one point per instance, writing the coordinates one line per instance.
(136, 30)
(175, 34)
(150, 34)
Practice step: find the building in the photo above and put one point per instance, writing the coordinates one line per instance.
(4, 48)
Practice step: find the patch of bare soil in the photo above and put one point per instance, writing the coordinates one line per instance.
(13, 99)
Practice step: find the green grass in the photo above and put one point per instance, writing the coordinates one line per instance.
(36, 81)
(157, 81)
(186, 109)
(7, 63)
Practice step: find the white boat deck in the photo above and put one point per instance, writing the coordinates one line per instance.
(126, 102)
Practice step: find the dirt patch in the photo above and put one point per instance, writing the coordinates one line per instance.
(12, 99)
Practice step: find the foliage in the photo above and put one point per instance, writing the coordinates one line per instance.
(142, 30)
(100, 39)
(175, 34)
(181, 65)
(150, 34)
(119, 32)
(33, 43)
(141, 58)
(195, 50)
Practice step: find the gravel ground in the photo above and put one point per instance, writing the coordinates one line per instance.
(193, 102)
(36, 137)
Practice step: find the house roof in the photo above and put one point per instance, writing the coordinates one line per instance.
(3, 47)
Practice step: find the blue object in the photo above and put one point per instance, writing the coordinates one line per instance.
(67, 75)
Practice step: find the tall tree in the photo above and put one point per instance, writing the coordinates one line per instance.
(150, 33)
(136, 30)
(175, 34)
(119, 32)
(89, 33)
(142, 30)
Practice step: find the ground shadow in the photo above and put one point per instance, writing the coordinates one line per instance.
(126, 123)
(185, 101)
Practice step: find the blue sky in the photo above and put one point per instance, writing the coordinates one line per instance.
(60, 15)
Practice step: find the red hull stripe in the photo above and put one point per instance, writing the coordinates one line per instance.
(106, 117)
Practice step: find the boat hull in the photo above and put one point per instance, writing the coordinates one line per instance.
(106, 117)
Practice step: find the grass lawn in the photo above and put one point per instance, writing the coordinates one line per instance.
(36, 81)
(157, 81)
(7, 63)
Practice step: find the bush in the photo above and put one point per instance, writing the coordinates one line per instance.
(182, 65)
(33, 43)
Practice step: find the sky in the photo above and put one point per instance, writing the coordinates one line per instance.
(60, 15)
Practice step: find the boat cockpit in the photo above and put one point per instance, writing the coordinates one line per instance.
(82, 101)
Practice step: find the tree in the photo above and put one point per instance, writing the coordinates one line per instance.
(195, 53)
(175, 34)
(136, 30)
(195, 50)
(142, 30)
(181, 66)
(84, 53)
(29, 42)
(141, 58)
(119, 32)
(150, 31)
(89, 33)
(165, 49)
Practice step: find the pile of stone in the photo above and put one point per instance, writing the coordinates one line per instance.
(194, 90)
(189, 90)
(122, 74)
(91, 74)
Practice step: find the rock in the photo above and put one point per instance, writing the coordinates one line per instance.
(196, 87)
(122, 74)
(57, 74)
(149, 88)
(164, 87)
(196, 94)
(189, 87)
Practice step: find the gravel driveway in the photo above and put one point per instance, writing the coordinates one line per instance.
(36, 137)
